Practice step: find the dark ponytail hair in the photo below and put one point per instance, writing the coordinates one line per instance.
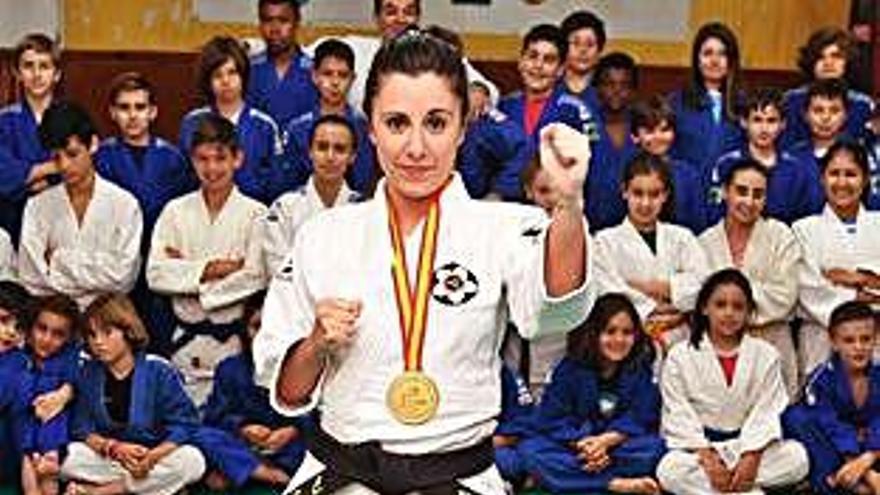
(583, 342)
(644, 163)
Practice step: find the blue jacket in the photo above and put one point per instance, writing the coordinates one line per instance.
(263, 176)
(298, 131)
(165, 175)
(829, 401)
(286, 97)
(803, 153)
(698, 138)
(493, 156)
(572, 406)
(159, 408)
(560, 107)
(20, 150)
(793, 190)
(873, 147)
(858, 113)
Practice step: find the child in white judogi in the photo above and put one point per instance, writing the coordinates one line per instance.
(332, 149)
(206, 254)
(659, 266)
(841, 251)
(723, 395)
(766, 252)
(81, 237)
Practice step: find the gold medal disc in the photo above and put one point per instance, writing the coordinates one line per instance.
(413, 398)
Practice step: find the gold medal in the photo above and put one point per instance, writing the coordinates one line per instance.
(413, 398)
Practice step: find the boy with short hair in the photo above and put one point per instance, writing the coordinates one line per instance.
(81, 237)
(839, 419)
(280, 81)
(542, 101)
(333, 74)
(615, 82)
(790, 190)
(149, 167)
(585, 33)
(652, 124)
(25, 165)
(826, 114)
(206, 255)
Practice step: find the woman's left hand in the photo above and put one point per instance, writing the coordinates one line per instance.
(565, 155)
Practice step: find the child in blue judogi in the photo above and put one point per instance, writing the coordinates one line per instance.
(838, 420)
(280, 82)
(132, 422)
(223, 72)
(791, 185)
(598, 418)
(705, 123)
(542, 101)
(26, 166)
(827, 55)
(243, 437)
(333, 75)
(14, 307)
(44, 388)
(653, 131)
(151, 169)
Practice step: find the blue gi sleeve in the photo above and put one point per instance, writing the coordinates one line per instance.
(177, 413)
(82, 420)
(222, 407)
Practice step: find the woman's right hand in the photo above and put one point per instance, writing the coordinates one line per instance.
(336, 323)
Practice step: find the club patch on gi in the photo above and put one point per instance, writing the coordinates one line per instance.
(454, 285)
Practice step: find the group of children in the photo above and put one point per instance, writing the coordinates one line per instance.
(718, 217)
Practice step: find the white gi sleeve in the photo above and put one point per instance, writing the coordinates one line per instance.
(762, 425)
(610, 279)
(777, 291)
(166, 274)
(236, 286)
(680, 424)
(277, 236)
(684, 284)
(33, 268)
(7, 257)
(817, 295)
(288, 317)
(532, 309)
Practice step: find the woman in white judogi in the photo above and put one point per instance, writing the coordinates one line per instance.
(841, 250)
(409, 387)
(767, 253)
(332, 149)
(81, 237)
(659, 266)
(722, 399)
(206, 253)
(7, 257)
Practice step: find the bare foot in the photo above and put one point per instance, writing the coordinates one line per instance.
(270, 474)
(74, 488)
(645, 485)
(216, 481)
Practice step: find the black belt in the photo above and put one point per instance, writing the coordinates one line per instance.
(220, 331)
(392, 474)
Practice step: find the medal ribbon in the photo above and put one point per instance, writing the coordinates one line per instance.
(412, 305)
